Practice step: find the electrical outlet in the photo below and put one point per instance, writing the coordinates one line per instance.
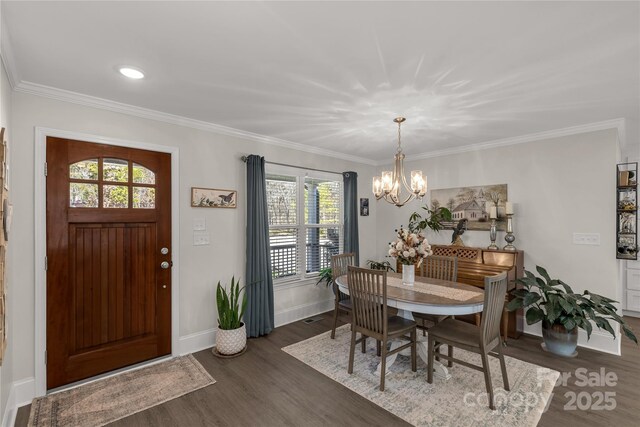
(586, 239)
(199, 224)
(200, 239)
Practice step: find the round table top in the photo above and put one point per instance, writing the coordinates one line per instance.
(421, 302)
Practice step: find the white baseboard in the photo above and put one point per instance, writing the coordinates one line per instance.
(631, 313)
(302, 311)
(205, 339)
(22, 393)
(195, 342)
(9, 417)
(600, 340)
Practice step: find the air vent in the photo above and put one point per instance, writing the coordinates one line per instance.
(312, 319)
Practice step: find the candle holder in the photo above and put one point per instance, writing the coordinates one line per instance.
(509, 238)
(492, 235)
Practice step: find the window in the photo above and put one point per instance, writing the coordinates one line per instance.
(119, 187)
(305, 220)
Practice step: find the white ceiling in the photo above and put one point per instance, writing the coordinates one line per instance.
(334, 75)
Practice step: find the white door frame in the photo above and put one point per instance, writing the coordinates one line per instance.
(40, 228)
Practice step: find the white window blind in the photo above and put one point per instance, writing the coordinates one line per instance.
(305, 221)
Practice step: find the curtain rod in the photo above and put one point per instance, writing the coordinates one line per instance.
(244, 159)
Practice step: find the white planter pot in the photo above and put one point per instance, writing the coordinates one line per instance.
(408, 274)
(231, 341)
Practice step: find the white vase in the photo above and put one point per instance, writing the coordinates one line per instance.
(408, 274)
(231, 341)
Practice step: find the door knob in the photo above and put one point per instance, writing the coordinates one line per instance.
(164, 265)
(164, 251)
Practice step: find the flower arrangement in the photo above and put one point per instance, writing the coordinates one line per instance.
(410, 248)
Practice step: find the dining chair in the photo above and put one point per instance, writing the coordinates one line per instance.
(483, 339)
(436, 267)
(339, 265)
(368, 290)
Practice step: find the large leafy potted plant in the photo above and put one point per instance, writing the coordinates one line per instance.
(434, 219)
(562, 311)
(231, 337)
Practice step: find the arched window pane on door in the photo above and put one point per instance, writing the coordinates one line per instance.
(142, 175)
(85, 169)
(115, 170)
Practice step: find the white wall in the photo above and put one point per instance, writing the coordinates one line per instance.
(559, 186)
(207, 160)
(6, 371)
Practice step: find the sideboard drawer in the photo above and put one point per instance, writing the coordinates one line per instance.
(633, 280)
(633, 300)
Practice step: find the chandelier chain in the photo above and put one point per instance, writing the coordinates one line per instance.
(399, 150)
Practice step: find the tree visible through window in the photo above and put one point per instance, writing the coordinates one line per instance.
(305, 222)
(115, 183)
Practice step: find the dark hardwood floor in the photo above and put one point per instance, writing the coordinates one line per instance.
(267, 387)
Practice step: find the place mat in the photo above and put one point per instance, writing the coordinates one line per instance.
(437, 290)
(110, 399)
(460, 401)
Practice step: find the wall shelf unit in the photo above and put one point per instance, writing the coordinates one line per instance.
(627, 211)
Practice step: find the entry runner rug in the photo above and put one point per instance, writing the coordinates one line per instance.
(460, 401)
(110, 399)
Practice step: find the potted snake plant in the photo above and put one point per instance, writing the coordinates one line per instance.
(231, 337)
(562, 311)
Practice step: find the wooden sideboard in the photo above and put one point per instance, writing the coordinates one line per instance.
(474, 264)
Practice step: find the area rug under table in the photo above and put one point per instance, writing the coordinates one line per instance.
(459, 401)
(113, 398)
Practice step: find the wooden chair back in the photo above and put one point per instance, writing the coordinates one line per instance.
(495, 289)
(440, 267)
(339, 264)
(368, 291)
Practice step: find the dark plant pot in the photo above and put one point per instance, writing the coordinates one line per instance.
(558, 340)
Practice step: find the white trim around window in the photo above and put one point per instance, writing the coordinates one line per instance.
(302, 278)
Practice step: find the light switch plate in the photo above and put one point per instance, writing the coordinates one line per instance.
(200, 238)
(586, 239)
(199, 224)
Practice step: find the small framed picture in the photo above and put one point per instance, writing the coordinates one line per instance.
(213, 198)
(364, 207)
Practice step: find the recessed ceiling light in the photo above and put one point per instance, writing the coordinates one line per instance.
(132, 73)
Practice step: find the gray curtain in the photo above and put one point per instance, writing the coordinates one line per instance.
(259, 315)
(350, 180)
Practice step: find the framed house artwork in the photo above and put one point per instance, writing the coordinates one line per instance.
(213, 198)
(473, 204)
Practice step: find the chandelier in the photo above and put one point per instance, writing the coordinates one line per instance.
(390, 186)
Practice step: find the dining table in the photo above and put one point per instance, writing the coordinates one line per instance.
(429, 296)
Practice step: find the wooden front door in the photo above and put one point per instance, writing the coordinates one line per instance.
(108, 236)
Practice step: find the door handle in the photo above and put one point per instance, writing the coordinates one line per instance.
(164, 265)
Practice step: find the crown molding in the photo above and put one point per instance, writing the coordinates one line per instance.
(118, 107)
(618, 124)
(146, 113)
(6, 54)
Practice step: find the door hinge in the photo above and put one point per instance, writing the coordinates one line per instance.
(45, 357)
(46, 263)
(45, 169)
